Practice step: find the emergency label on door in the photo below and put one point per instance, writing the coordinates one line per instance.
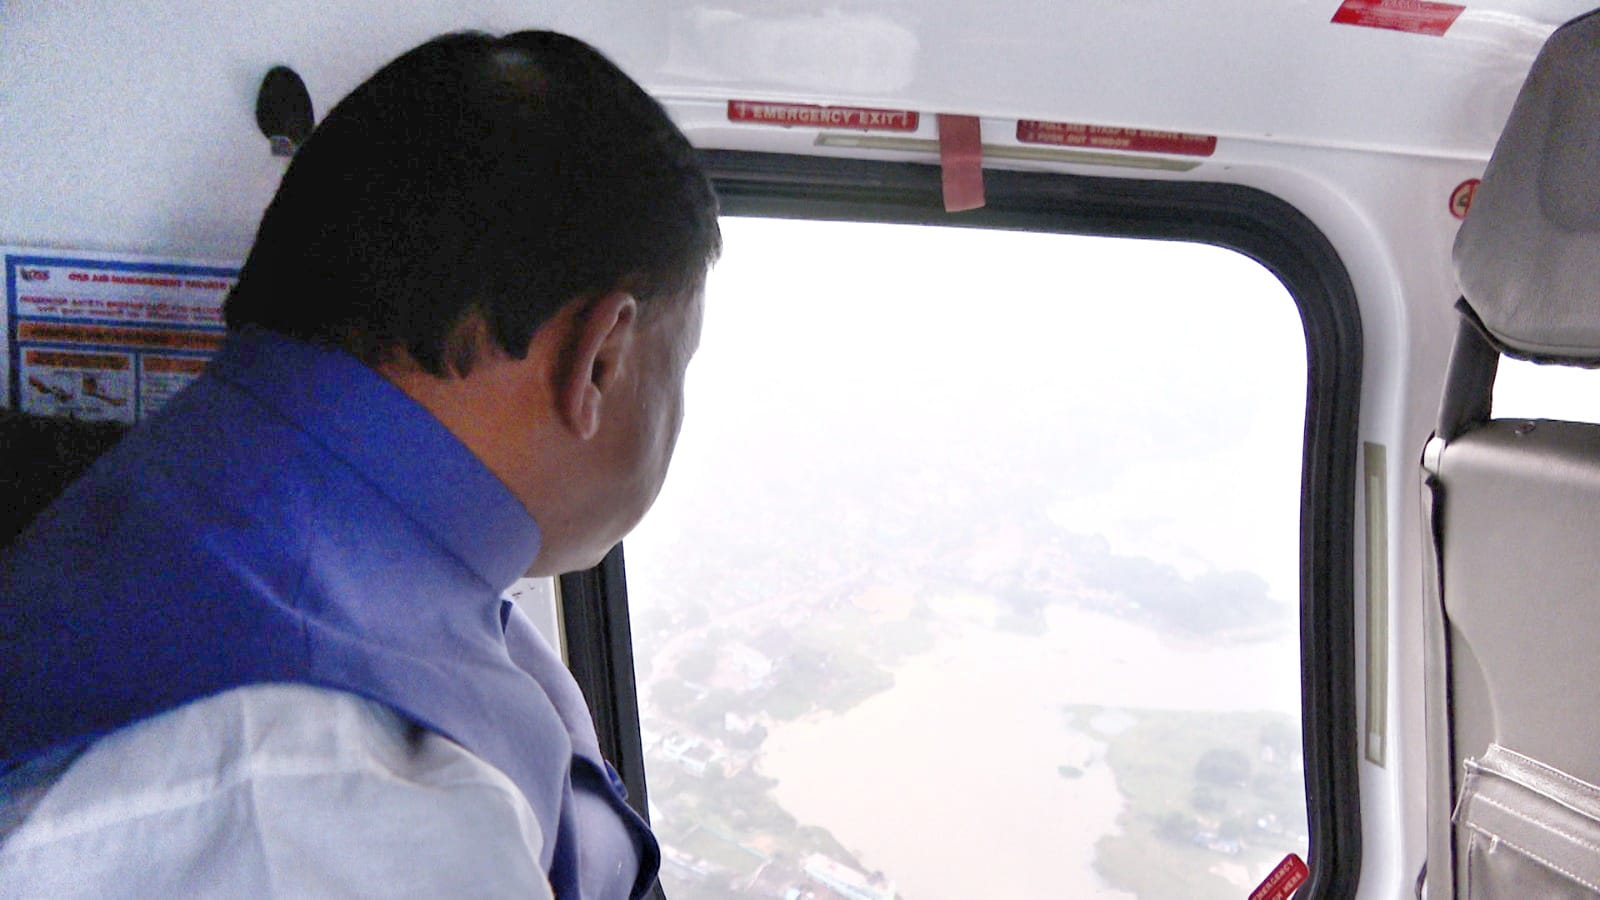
(811, 116)
(1284, 880)
(1411, 16)
(1101, 137)
(106, 338)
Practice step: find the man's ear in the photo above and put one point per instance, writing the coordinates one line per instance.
(601, 336)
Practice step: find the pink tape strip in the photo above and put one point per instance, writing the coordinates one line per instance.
(961, 159)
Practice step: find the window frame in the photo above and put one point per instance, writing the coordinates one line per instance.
(1246, 220)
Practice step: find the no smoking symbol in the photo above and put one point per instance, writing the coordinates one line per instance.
(1461, 197)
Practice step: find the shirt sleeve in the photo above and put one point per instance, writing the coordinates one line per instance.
(277, 791)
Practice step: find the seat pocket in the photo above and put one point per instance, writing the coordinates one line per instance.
(1530, 830)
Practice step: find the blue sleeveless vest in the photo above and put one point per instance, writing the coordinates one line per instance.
(292, 516)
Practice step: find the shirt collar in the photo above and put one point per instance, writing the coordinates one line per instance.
(393, 443)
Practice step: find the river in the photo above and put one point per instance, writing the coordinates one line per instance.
(949, 781)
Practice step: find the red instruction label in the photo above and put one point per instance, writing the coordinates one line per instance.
(811, 116)
(1284, 880)
(1411, 16)
(1101, 137)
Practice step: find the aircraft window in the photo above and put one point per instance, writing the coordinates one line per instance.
(1525, 390)
(537, 598)
(977, 571)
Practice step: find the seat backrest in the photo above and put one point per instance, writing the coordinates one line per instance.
(1514, 514)
(39, 457)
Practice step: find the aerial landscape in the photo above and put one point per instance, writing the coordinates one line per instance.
(896, 639)
(759, 709)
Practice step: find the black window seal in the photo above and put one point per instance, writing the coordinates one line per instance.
(1252, 222)
(599, 645)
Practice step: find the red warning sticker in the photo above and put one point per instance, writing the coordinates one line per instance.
(961, 162)
(811, 116)
(1284, 880)
(1100, 137)
(1461, 197)
(1411, 16)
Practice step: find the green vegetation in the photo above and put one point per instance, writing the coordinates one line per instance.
(725, 816)
(721, 820)
(1209, 795)
(712, 846)
(1207, 604)
(1205, 790)
(1022, 612)
(833, 676)
(698, 666)
(890, 643)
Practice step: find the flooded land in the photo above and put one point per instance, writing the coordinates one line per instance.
(941, 754)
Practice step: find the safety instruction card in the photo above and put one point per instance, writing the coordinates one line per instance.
(103, 336)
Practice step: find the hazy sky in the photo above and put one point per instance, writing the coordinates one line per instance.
(1150, 392)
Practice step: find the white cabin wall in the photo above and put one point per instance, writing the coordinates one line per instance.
(1387, 216)
(130, 126)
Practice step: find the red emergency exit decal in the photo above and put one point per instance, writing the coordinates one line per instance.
(1411, 16)
(1284, 880)
(1100, 137)
(812, 116)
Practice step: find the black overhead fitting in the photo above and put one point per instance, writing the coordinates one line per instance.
(283, 110)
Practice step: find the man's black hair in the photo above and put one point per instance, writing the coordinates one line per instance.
(502, 176)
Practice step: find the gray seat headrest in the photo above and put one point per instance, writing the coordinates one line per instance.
(1528, 255)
